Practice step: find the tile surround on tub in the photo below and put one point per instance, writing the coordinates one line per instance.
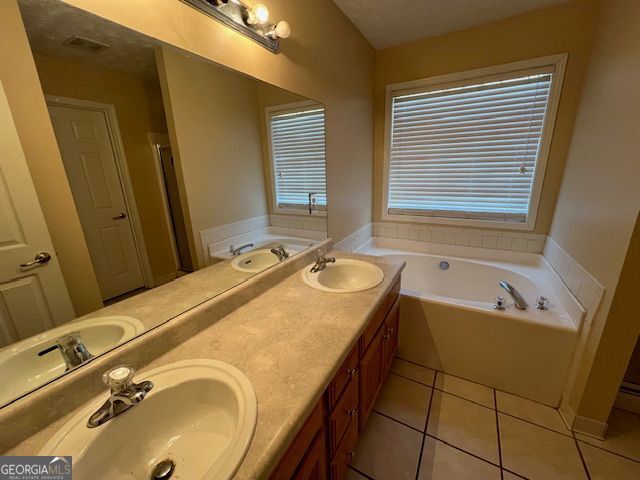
(356, 240)
(260, 223)
(492, 239)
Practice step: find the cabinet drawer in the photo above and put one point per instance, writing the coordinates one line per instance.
(347, 371)
(378, 317)
(345, 411)
(345, 452)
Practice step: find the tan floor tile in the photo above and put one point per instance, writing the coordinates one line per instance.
(443, 462)
(465, 425)
(464, 388)
(353, 475)
(535, 452)
(414, 372)
(388, 450)
(510, 476)
(532, 411)
(623, 434)
(608, 466)
(404, 400)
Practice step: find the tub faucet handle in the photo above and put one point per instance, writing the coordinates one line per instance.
(542, 303)
(499, 304)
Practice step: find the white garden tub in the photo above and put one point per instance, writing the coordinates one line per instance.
(447, 319)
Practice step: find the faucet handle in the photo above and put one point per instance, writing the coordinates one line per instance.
(499, 303)
(119, 378)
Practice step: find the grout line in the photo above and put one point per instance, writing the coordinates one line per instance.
(424, 434)
(411, 379)
(514, 473)
(463, 451)
(495, 404)
(396, 420)
(415, 363)
(533, 423)
(463, 398)
(608, 451)
(368, 477)
(584, 464)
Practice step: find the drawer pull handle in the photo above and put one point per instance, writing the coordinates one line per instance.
(386, 336)
(352, 372)
(352, 412)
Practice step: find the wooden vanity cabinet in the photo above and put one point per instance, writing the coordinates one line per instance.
(326, 443)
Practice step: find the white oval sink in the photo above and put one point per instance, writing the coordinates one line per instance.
(22, 370)
(201, 414)
(254, 261)
(346, 275)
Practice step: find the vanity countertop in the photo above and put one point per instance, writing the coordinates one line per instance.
(290, 341)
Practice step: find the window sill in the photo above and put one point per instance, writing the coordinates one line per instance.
(461, 222)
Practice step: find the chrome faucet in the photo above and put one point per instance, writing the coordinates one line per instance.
(73, 351)
(237, 251)
(518, 301)
(124, 394)
(321, 261)
(280, 252)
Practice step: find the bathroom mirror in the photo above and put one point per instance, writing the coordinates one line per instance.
(186, 178)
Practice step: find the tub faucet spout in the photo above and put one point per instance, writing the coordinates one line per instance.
(518, 301)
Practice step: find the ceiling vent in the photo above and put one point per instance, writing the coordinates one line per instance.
(85, 44)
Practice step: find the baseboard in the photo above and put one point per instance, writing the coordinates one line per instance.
(590, 427)
(628, 401)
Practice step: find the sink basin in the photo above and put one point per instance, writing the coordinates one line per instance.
(22, 370)
(347, 275)
(200, 414)
(254, 261)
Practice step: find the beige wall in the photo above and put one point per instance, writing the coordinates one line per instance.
(26, 100)
(215, 133)
(566, 28)
(599, 200)
(138, 105)
(326, 58)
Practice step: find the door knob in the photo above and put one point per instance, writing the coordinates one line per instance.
(122, 216)
(40, 258)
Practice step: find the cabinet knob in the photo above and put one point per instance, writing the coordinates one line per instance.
(352, 372)
(351, 454)
(386, 336)
(352, 412)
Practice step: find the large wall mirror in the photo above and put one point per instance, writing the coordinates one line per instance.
(188, 178)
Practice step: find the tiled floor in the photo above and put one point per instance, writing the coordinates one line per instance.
(428, 425)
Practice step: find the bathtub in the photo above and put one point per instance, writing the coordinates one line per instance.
(447, 319)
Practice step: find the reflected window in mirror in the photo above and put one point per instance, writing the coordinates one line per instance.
(296, 135)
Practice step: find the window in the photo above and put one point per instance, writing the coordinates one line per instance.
(297, 143)
(471, 148)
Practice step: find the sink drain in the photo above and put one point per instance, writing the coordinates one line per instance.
(163, 470)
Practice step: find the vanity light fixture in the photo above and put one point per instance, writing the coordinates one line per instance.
(252, 22)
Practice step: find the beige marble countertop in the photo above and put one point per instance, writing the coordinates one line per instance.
(290, 342)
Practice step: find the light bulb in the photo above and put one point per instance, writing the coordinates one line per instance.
(283, 30)
(259, 14)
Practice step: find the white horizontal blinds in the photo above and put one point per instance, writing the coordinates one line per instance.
(468, 151)
(298, 155)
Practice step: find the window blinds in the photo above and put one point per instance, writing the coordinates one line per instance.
(298, 156)
(468, 151)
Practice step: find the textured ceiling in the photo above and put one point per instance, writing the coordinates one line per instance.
(50, 22)
(391, 22)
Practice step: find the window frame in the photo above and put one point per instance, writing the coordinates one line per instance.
(284, 109)
(558, 62)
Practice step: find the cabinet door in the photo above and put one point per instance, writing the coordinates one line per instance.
(345, 452)
(390, 338)
(314, 465)
(371, 373)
